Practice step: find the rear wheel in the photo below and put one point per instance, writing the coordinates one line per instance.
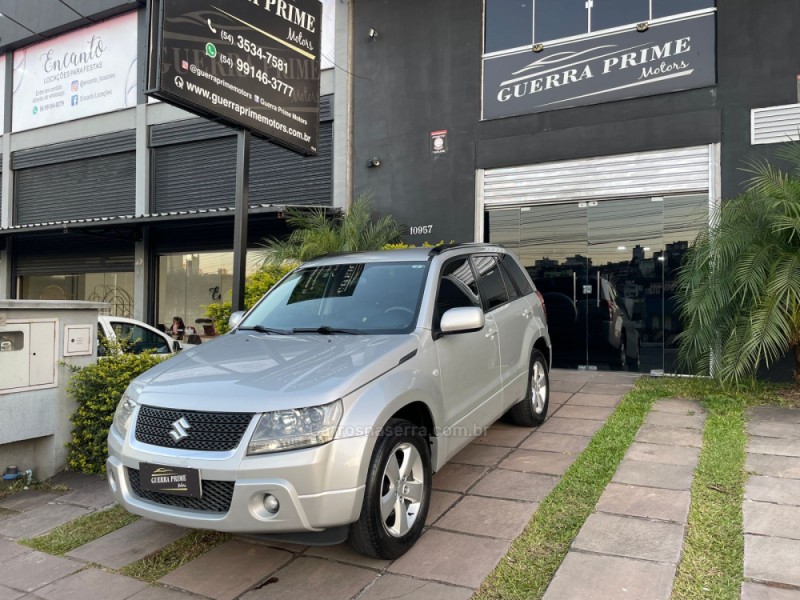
(532, 410)
(397, 493)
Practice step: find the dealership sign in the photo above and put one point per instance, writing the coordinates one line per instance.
(87, 72)
(251, 63)
(665, 58)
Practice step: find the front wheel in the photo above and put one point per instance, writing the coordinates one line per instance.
(397, 493)
(532, 410)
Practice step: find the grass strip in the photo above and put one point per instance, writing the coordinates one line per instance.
(178, 553)
(713, 550)
(81, 531)
(536, 554)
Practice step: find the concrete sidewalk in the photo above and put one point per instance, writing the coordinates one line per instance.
(482, 500)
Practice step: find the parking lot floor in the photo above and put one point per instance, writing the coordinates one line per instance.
(481, 501)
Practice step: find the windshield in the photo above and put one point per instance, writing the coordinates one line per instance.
(352, 298)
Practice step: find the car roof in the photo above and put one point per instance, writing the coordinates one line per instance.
(403, 254)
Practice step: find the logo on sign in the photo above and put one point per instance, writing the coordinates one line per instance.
(74, 100)
(74, 86)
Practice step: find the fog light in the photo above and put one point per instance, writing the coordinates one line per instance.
(271, 504)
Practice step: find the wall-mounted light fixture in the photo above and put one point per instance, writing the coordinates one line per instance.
(538, 47)
(642, 27)
(374, 162)
(373, 34)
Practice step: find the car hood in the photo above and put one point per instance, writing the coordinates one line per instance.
(257, 372)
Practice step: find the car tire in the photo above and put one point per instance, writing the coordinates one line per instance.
(397, 493)
(532, 410)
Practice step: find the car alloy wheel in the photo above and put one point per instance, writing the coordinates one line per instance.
(532, 410)
(397, 493)
(402, 490)
(539, 386)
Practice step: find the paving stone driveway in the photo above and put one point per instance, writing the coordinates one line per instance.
(772, 505)
(481, 501)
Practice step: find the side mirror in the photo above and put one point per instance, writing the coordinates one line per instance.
(463, 320)
(235, 319)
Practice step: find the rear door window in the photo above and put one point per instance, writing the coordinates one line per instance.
(515, 273)
(494, 288)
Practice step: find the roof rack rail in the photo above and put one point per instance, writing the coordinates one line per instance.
(436, 250)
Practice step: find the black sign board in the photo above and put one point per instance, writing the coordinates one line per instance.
(664, 58)
(178, 481)
(251, 63)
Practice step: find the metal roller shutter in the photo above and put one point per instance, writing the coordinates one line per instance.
(279, 176)
(102, 186)
(202, 174)
(626, 175)
(71, 253)
(195, 175)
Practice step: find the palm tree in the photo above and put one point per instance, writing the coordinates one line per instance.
(315, 233)
(739, 288)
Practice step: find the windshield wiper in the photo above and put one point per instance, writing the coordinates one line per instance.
(327, 330)
(262, 329)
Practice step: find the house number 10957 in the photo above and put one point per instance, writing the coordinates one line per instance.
(420, 229)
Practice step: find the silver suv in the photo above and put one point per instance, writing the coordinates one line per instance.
(329, 407)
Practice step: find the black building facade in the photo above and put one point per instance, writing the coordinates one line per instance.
(594, 138)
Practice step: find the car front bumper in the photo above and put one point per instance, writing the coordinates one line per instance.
(304, 482)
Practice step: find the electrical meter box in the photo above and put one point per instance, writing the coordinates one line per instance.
(27, 354)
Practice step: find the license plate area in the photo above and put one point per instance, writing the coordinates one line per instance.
(178, 481)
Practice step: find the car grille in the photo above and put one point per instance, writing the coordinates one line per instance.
(216, 495)
(210, 431)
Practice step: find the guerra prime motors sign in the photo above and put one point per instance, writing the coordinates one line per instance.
(252, 63)
(667, 57)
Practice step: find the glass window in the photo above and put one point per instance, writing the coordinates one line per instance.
(509, 24)
(189, 282)
(666, 8)
(138, 339)
(490, 281)
(359, 297)
(554, 19)
(613, 13)
(114, 288)
(12, 341)
(514, 272)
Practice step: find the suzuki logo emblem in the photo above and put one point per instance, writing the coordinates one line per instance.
(180, 429)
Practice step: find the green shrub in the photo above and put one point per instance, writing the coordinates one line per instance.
(255, 286)
(97, 389)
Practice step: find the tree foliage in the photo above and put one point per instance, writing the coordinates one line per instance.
(739, 288)
(315, 233)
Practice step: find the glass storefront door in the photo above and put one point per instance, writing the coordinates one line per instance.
(607, 272)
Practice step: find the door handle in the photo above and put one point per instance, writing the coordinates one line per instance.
(490, 332)
(527, 313)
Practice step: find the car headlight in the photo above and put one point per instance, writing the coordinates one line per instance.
(295, 428)
(122, 417)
